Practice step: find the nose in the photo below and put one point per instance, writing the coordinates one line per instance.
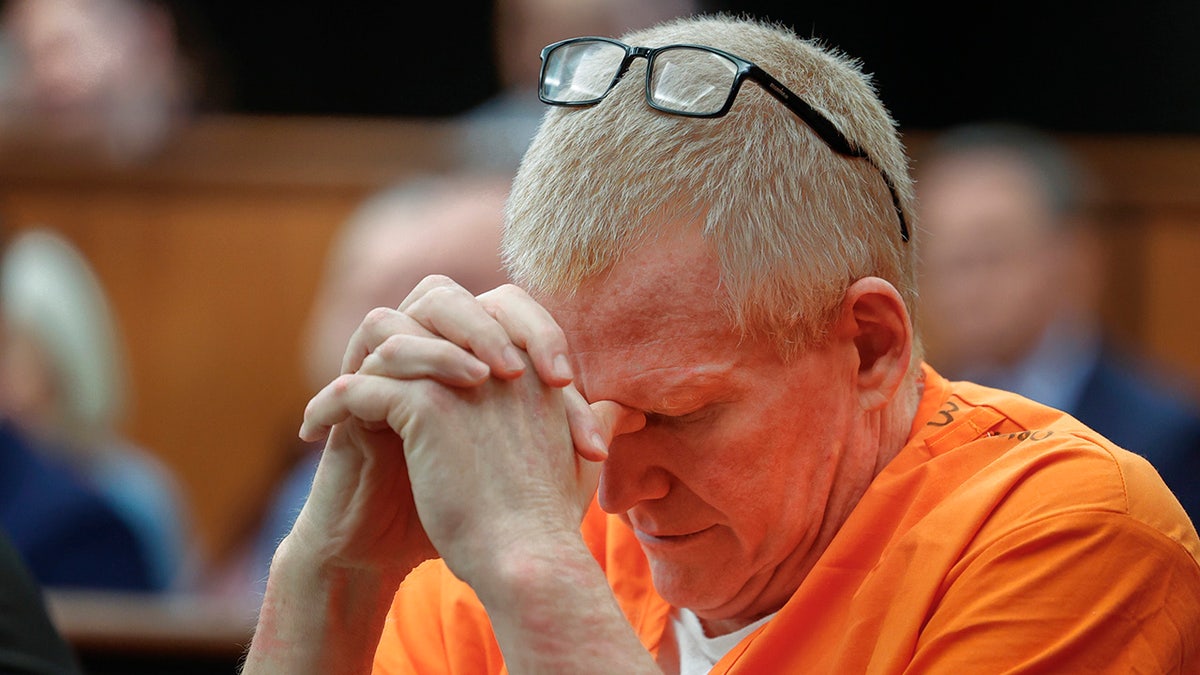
(632, 473)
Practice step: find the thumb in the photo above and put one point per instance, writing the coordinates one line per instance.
(593, 426)
(614, 419)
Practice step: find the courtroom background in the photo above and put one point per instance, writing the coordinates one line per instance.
(211, 248)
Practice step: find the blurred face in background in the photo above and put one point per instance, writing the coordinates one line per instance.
(29, 391)
(523, 27)
(101, 73)
(996, 266)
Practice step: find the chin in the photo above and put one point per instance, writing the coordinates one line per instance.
(702, 590)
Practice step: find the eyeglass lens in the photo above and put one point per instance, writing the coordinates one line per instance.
(682, 79)
(691, 81)
(582, 71)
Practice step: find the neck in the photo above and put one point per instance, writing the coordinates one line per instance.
(896, 419)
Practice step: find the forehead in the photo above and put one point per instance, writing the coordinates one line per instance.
(979, 202)
(981, 181)
(673, 280)
(657, 315)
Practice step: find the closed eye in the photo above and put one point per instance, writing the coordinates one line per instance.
(664, 419)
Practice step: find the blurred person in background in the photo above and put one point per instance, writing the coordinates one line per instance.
(1011, 284)
(425, 224)
(65, 531)
(29, 641)
(497, 131)
(107, 78)
(63, 384)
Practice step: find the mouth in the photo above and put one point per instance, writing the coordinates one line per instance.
(660, 539)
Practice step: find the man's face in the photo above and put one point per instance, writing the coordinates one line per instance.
(993, 262)
(744, 469)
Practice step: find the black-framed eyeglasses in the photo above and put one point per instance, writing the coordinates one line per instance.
(681, 79)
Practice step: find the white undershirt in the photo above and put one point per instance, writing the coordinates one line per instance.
(686, 650)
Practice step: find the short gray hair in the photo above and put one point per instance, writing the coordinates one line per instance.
(791, 222)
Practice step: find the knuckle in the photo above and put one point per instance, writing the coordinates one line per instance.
(378, 316)
(342, 384)
(512, 290)
(391, 348)
(506, 294)
(432, 298)
(311, 408)
(547, 333)
(445, 292)
(336, 389)
(433, 281)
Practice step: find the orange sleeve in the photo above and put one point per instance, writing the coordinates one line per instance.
(437, 626)
(1089, 592)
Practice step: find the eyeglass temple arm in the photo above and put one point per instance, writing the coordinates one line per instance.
(829, 133)
(811, 116)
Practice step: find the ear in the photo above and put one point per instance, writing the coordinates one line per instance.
(874, 319)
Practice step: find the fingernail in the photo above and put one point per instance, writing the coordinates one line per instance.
(599, 445)
(562, 367)
(512, 359)
(477, 370)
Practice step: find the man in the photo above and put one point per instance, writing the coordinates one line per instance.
(1005, 214)
(783, 485)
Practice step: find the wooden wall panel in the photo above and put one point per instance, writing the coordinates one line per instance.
(1172, 298)
(210, 290)
(210, 255)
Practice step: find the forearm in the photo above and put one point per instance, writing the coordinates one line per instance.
(556, 614)
(319, 618)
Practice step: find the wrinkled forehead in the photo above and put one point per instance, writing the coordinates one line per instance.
(670, 286)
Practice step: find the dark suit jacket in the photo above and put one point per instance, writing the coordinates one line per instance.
(29, 641)
(1134, 406)
(66, 533)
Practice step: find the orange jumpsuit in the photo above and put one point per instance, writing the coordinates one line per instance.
(1005, 537)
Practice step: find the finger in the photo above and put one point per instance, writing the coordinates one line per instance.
(531, 327)
(368, 398)
(586, 432)
(588, 478)
(610, 419)
(380, 324)
(410, 357)
(614, 419)
(446, 309)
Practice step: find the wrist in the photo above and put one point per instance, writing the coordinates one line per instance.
(331, 555)
(534, 582)
(319, 616)
(555, 612)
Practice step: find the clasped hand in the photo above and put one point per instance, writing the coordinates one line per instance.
(454, 430)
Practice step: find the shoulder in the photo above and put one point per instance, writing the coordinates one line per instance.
(37, 485)
(1028, 462)
(64, 528)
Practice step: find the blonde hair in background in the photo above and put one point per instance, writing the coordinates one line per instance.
(48, 292)
(792, 222)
